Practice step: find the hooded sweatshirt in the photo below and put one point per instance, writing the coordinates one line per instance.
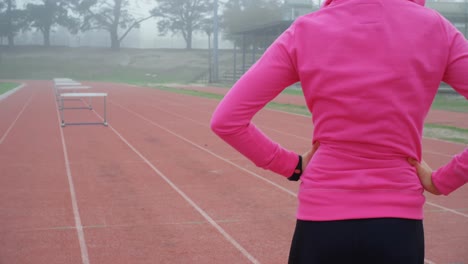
(369, 70)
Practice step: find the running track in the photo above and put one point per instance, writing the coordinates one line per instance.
(157, 186)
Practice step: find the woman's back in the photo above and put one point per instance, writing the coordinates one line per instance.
(369, 73)
(369, 70)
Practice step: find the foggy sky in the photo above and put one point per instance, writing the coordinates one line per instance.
(145, 37)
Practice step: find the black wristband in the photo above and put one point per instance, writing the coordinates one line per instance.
(297, 171)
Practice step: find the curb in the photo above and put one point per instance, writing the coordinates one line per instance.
(5, 95)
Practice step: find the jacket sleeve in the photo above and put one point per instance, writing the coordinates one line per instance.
(455, 174)
(232, 119)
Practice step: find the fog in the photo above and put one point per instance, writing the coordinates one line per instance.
(145, 37)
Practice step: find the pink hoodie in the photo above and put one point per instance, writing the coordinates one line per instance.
(370, 70)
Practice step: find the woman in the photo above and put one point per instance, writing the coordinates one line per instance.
(369, 70)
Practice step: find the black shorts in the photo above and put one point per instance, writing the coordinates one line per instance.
(362, 241)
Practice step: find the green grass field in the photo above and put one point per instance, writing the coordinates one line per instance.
(131, 66)
(6, 86)
(449, 133)
(189, 92)
(450, 103)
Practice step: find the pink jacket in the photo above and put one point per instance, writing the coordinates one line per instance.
(370, 70)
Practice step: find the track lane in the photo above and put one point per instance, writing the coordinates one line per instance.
(35, 209)
(121, 198)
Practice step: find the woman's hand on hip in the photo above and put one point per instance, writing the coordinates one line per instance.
(308, 155)
(425, 175)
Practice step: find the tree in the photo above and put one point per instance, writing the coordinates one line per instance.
(109, 16)
(241, 15)
(182, 16)
(11, 20)
(44, 17)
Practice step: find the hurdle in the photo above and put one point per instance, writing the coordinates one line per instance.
(65, 83)
(71, 86)
(62, 107)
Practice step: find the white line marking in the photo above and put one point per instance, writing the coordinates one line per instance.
(445, 141)
(284, 112)
(426, 261)
(76, 212)
(17, 117)
(447, 209)
(438, 153)
(288, 134)
(186, 198)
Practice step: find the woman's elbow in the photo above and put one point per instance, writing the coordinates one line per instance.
(218, 125)
(223, 126)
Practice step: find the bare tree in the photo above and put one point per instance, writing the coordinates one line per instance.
(110, 16)
(182, 16)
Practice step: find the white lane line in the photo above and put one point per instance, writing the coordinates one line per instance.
(447, 209)
(238, 166)
(16, 119)
(426, 261)
(289, 113)
(288, 134)
(121, 225)
(186, 198)
(445, 141)
(438, 153)
(76, 211)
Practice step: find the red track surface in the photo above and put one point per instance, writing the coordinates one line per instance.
(157, 186)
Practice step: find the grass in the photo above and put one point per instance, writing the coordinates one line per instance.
(82, 70)
(189, 92)
(453, 103)
(293, 91)
(449, 133)
(296, 109)
(454, 129)
(447, 102)
(6, 86)
(131, 66)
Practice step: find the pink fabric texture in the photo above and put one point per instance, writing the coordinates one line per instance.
(370, 70)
